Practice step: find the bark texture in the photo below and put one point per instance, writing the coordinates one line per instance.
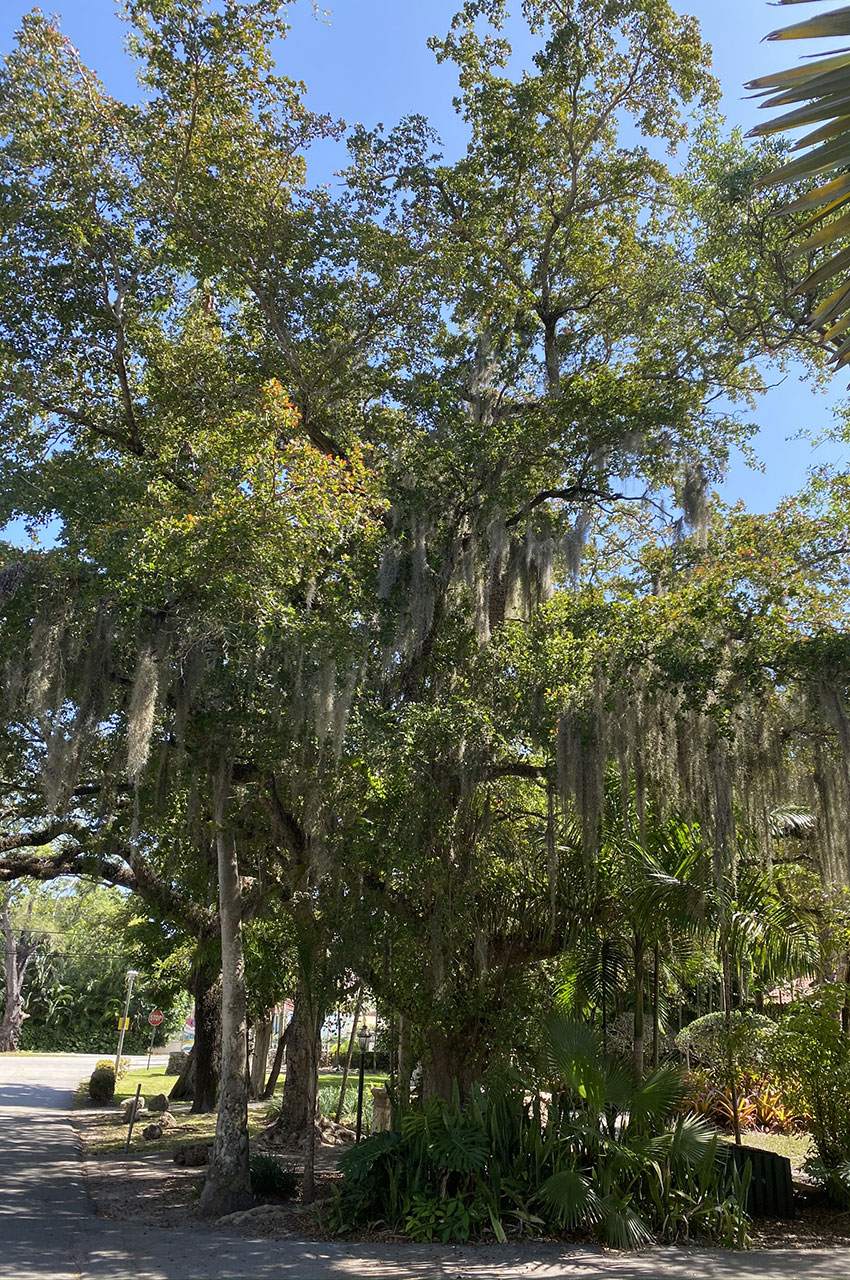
(228, 1185)
(199, 1078)
(19, 951)
(303, 1046)
(449, 1060)
(260, 1057)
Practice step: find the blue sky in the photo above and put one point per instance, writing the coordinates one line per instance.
(368, 61)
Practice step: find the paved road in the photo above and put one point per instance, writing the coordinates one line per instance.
(48, 1230)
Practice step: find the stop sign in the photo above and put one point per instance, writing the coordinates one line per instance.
(155, 1017)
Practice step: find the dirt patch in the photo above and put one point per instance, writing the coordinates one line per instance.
(148, 1187)
(817, 1224)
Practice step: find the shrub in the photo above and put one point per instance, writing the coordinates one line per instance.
(102, 1085)
(109, 1063)
(328, 1098)
(272, 1177)
(811, 1055)
(603, 1154)
(705, 1041)
(760, 1104)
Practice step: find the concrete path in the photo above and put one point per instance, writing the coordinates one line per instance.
(48, 1230)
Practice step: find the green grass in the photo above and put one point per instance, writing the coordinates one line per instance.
(153, 1082)
(796, 1146)
(104, 1135)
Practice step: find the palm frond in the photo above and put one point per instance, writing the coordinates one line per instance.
(573, 1195)
(823, 87)
(658, 1096)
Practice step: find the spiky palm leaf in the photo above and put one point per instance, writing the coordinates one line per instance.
(572, 1193)
(818, 94)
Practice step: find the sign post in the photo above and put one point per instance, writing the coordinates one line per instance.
(155, 1017)
(124, 1022)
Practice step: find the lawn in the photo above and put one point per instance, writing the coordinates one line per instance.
(105, 1133)
(796, 1146)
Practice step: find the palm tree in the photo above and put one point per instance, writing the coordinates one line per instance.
(625, 1151)
(745, 915)
(818, 94)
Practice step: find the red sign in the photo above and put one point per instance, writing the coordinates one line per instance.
(155, 1017)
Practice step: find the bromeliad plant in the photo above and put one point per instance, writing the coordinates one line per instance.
(600, 1154)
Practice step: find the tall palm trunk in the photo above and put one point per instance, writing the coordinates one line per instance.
(655, 1010)
(731, 1076)
(640, 973)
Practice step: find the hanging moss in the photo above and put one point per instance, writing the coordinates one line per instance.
(693, 495)
(388, 570)
(324, 699)
(46, 672)
(573, 541)
(141, 714)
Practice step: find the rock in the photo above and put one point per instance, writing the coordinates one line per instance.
(151, 1132)
(381, 1110)
(331, 1134)
(192, 1153)
(127, 1108)
(167, 1121)
(159, 1103)
(264, 1219)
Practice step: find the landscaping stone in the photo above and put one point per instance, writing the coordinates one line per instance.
(192, 1153)
(151, 1132)
(127, 1108)
(158, 1103)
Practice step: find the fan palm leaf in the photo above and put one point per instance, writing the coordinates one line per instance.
(823, 87)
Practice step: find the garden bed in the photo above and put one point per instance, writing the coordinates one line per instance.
(147, 1186)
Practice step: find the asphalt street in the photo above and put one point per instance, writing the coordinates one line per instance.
(49, 1231)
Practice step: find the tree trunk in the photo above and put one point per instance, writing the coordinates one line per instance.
(184, 1086)
(655, 1011)
(228, 1185)
(298, 1104)
(726, 992)
(259, 1062)
(277, 1063)
(604, 983)
(199, 1079)
(340, 1106)
(405, 1061)
(638, 950)
(308, 1186)
(449, 1060)
(19, 952)
(208, 1041)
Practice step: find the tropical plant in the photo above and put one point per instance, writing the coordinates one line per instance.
(818, 93)
(760, 1103)
(811, 1055)
(744, 912)
(271, 1177)
(598, 1152)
